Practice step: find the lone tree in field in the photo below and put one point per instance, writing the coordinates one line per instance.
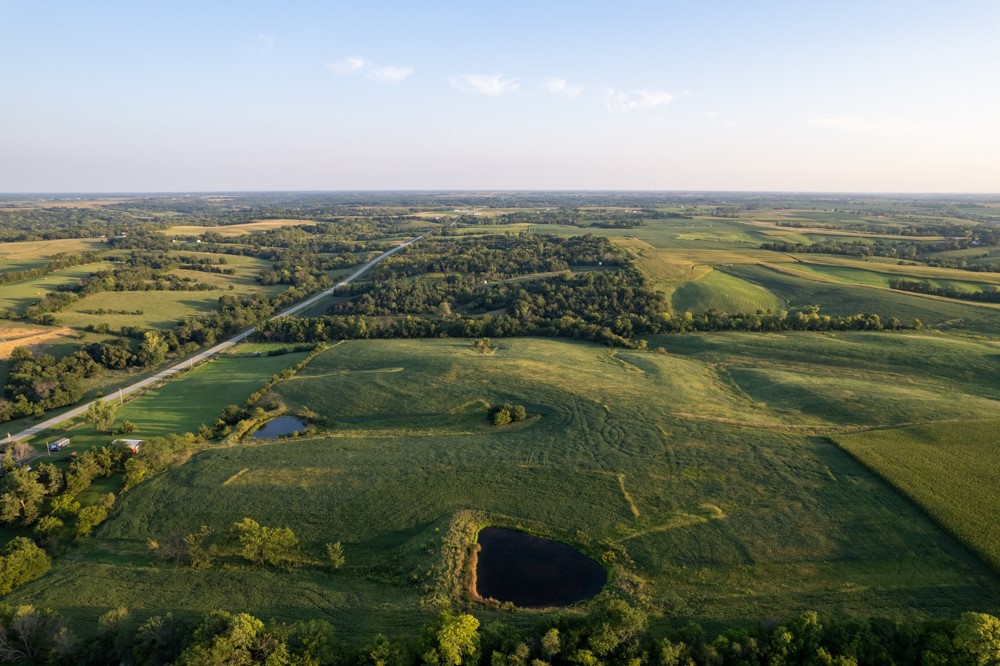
(101, 415)
(507, 413)
(265, 545)
(483, 346)
(335, 555)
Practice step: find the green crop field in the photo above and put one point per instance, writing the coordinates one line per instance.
(951, 469)
(721, 291)
(719, 504)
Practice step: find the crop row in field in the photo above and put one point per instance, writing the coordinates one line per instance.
(951, 469)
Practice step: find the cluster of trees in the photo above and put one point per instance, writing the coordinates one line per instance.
(26, 491)
(497, 257)
(808, 318)
(614, 634)
(248, 540)
(991, 295)
(30, 224)
(614, 324)
(506, 413)
(39, 383)
(575, 217)
(906, 250)
(22, 561)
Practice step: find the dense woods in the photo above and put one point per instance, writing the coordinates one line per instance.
(615, 634)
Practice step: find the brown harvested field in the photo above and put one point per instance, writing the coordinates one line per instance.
(15, 336)
(235, 229)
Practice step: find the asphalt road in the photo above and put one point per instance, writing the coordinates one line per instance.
(208, 353)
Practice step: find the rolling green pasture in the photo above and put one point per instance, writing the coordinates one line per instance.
(17, 296)
(721, 291)
(951, 469)
(846, 299)
(160, 309)
(723, 506)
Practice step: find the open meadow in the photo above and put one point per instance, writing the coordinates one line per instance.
(722, 498)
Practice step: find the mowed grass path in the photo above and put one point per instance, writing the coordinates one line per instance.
(950, 469)
(726, 509)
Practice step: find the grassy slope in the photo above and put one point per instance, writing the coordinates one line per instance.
(849, 299)
(951, 469)
(720, 291)
(741, 514)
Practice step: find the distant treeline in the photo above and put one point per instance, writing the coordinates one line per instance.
(614, 633)
(909, 250)
(624, 329)
(991, 295)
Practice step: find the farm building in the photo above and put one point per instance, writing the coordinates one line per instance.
(59, 444)
(131, 444)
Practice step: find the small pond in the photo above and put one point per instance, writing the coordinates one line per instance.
(533, 572)
(279, 427)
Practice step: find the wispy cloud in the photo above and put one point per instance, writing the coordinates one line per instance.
(859, 124)
(347, 66)
(389, 74)
(352, 65)
(265, 44)
(632, 100)
(492, 85)
(561, 88)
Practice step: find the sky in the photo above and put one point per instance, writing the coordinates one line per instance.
(805, 95)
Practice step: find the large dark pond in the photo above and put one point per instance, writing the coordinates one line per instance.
(533, 572)
(283, 425)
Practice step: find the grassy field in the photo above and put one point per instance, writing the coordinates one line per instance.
(724, 506)
(846, 299)
(17, 296)
(951, 469)
(30, 254)
(162, 309)
(721, 291)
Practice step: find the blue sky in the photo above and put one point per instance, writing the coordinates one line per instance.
(209, 96)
